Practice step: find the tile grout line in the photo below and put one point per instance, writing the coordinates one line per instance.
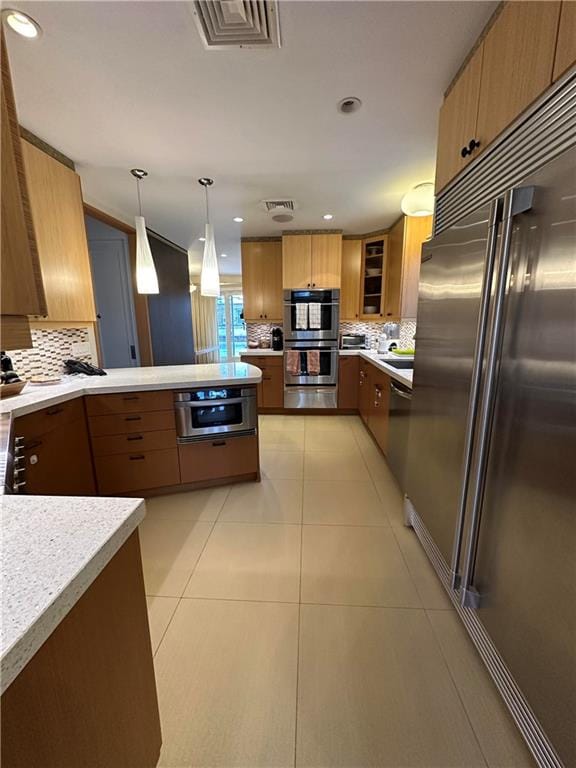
(299, 611)
(293, 602)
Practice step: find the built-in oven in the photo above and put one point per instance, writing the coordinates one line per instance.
(311, 314)
(203, 413)
(310, 374)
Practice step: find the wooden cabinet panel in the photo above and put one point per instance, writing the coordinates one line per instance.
(517, 64)
(109, 445)
(364, 390)
(393, 292)
(252, 285)
(457, 124)
(350, 283)
(296, 261)
(58, 216)
(123, 473)
(262, 280)
(566, 45)
(373, 277)
(212, 459)
(273, 387)
(326, 260)
(129, 402)
(272, 299)
(22, 291)
(348, 373)
(378, 418)
(119, 424)
(36, 424)
(88, 695)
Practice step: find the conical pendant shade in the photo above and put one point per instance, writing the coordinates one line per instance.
(210, 276)
(146, 277)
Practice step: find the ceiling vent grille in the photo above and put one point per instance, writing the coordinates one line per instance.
(281, 211)
(225, 24)
(287, 204)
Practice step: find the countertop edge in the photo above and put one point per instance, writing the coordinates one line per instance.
(23, 649)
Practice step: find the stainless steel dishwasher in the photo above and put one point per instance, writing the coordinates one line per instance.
(398, 426)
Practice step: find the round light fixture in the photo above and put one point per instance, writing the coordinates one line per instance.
(328, 217)
(21, 23)
(238, 219)
(419, 201)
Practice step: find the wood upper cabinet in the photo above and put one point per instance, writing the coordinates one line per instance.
(457, 124)
(566, 45)
(22, 289)
(311, 261)
(350, 284)
(403, 266)
(262, 280)
(58, 217)
(373, 277)
(517, 64)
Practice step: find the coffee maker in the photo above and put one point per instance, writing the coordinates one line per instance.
(277, 339)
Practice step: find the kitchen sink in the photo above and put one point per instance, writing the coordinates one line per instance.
(403, 364)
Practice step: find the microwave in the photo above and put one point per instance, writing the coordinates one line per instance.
(215, 411)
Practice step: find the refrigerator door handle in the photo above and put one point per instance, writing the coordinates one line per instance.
(516, 201)
(476, 378)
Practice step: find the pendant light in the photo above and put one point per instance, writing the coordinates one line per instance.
(191, 284)
(419, 201)
(209, 276)
(146, 277)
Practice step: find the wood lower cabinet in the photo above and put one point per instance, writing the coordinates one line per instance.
(136, 471)
(57, 457)
(364, 390)
(262, 280)
(379, 406)
(350, 285)
(270, 391)
(348, 373)
(131, 423)
(88, 695)
(130, 402)
(566, 46)
(227, 457)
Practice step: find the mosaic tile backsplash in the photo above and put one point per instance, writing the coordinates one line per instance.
(50, 348)
(257, 331)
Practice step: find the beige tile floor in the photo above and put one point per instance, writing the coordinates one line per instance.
(298, 622)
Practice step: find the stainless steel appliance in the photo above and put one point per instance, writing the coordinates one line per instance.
(203, 413)
(353, 341)
(277, 339)
(398, 428)
(490, 478)
(311, 314)
(306, 386)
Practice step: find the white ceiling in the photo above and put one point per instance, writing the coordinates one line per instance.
(117, 85)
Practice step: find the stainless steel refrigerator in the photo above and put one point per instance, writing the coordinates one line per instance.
(491, 468)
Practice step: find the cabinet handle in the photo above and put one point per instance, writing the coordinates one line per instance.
(388, 314)
(266, 378)
(137, 458)
(135, 437)
(313, 285)
(54, 411)
(132, 418)
(219, 443)
(266, 316)
(473, 144)
(131, 397)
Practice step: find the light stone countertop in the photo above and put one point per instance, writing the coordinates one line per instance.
(35, 397)
(53, 548)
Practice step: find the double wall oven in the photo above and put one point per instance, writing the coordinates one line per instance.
(311, 324)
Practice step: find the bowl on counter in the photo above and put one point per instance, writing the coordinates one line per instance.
(11, 389)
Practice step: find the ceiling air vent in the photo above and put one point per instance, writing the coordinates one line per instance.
(225, 24)
(281, 211)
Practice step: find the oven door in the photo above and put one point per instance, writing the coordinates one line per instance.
(298, 323)
(310, 364)
(197, 420)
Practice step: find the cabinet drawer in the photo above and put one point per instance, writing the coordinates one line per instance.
(129, 402)
(136, 471)
(124, 424)
(39, 423)
(109, 445)
(212, 459)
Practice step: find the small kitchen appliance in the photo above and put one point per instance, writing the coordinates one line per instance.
(277, 339)
(215, 411)
(353, 341)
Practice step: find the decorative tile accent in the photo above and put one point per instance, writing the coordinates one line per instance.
(50, 349)
(257, 331)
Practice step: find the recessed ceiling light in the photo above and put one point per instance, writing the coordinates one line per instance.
(238, 219)
(223, 255)
(202, 239)
(21, 23)
(349, 105)
(327, 216)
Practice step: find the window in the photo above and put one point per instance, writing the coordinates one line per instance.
(231, 327)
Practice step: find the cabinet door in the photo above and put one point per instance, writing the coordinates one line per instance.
(364, 394)
(373, 278)
(517, 64)
(348, 372)
(58, 216)
(417, 229)
(326, 260)
(393, 290)
(218, 458)
(252, 287)
(296, 261)
(273, 387)
(350, 286)
(378, 419)
(22, 289)
(566, 46)
(271, 280)
(457, 124)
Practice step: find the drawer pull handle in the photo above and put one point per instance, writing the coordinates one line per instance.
(137, 458)
(218, 443)
(135, 437)
(131, 397)
(132, 418)
(54, 411)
